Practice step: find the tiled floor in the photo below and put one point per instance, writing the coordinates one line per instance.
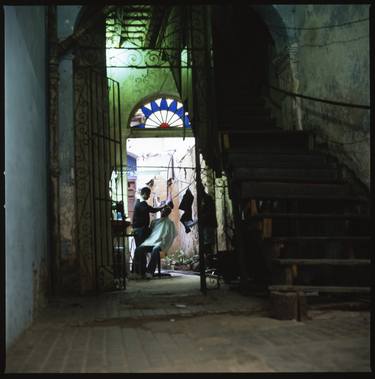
(167, 325)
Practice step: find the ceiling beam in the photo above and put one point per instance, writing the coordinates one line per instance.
(159, 17)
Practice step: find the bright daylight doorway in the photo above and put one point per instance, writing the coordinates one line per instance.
(167, 166)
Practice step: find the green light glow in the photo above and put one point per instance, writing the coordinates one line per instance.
(112, 34)
(184, 57)
(116, 56)
(135, 82)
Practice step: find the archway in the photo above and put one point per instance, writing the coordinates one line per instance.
(155, 76)
(166, 164)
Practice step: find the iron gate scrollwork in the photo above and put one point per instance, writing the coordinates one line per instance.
(101, 220)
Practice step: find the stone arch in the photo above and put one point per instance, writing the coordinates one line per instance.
(275, 24)
(282, 70)
(257, 49)
(96, 36)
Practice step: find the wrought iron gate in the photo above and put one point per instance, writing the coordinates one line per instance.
(107, 225)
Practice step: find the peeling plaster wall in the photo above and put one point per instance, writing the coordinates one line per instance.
(25, 166)
(328, 63)
(334, 64)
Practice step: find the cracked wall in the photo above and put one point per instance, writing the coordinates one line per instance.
(328, 51)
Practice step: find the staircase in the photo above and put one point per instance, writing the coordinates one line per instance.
(301, 226)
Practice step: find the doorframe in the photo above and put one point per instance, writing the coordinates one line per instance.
(177, 133)
(2, 200)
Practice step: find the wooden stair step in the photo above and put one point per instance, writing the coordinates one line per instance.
(267, 136)
(322, 289)
(280, 190)
(277, 132)
(245, 124)
(253, 124)
(323, 175)
(261, 147)
(265, 139)
(245, 109)
(243, 99)
(260, 133)
(318, 238)
(274, 134)
(246, 116)
(346, 216)
(322, 262)
(241, 87)
(245, 159)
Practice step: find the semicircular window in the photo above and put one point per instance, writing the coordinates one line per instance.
(162, 113)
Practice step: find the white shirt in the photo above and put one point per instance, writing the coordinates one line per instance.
(163, 232)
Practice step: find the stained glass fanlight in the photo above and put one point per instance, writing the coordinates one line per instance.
(162, 113)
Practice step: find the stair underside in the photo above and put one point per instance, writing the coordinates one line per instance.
(319, 262)
(279, 190)
(318, 238)
(238, 158)
(285, 174)
(319, 216)
(263, 162)
(321, 289)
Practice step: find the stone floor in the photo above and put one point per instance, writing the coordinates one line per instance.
(167, 325)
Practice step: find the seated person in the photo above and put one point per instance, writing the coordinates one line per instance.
(163, 232)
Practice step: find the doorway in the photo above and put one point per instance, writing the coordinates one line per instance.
(167, 166)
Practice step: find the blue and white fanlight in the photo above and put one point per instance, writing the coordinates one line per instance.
(164, 113)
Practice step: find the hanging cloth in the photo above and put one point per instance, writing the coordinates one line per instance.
(186, 206)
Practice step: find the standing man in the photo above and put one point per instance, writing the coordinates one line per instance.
(163, 232)
(141, 217)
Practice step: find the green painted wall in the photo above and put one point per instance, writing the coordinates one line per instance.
(138, 83)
